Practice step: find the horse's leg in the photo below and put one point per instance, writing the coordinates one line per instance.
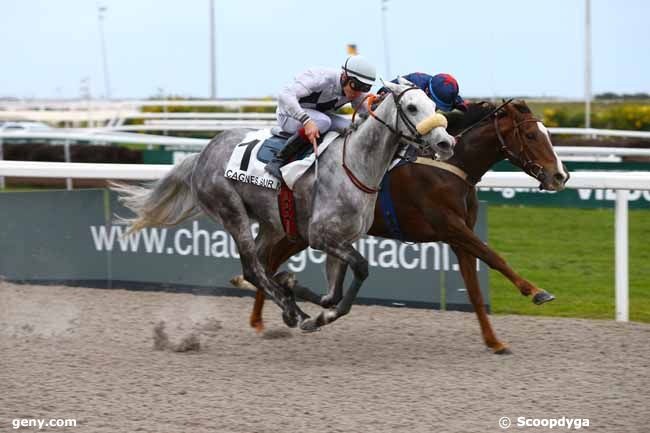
(467, 264)
(359, 265)
(265, 247)
(256, 320)
(335, 269)
(280, 253)
(462, 236)
(232, 213)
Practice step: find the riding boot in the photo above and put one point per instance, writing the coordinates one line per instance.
(294, 145)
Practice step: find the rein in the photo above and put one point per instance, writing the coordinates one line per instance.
(475, 124)
(355, 180)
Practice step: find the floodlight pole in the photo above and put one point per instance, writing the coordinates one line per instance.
(384, 8)
(107, 84)
(587, 63)
(213, 67)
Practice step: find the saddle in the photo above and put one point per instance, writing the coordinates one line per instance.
(272, 145)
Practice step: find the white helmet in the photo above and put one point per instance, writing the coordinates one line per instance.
(361, 69)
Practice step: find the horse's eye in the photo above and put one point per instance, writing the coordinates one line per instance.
(412, 108)
(530, 135)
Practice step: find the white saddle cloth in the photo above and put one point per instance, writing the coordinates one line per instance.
(243, 165)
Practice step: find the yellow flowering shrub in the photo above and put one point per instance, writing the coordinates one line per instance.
(624, 116)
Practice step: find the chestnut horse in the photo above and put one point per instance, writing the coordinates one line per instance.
(436, 201)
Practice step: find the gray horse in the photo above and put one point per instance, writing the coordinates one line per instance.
(332, 211)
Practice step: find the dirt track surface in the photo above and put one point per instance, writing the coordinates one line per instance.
(89, 354)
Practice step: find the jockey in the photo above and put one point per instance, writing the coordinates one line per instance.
(442, 89)
(306, 107)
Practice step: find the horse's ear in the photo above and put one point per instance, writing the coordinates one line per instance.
(390, 86)
(404, 82)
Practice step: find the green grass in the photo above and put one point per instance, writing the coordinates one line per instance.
(570, 253)
(24, 188)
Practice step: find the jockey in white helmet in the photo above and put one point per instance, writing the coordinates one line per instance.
(306, 107)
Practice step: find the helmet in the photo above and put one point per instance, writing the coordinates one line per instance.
(360, 72)
(443, 89)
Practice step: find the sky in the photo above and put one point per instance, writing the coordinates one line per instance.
(494, 48)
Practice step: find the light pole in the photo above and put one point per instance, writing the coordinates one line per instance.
(107, 84)
(213, 66)
(384, 8)
(587, 64)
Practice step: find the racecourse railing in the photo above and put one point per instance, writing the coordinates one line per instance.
(622, 182)
(109, 136)
(115, 113)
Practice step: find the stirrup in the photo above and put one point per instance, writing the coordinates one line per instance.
(273, 168)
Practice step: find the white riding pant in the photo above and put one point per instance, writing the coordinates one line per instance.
(324, 121)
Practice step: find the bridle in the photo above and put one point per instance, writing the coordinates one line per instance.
(523, 160)
(415, 136)
(399, 114)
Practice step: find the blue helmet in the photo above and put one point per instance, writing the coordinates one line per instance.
(443, 89)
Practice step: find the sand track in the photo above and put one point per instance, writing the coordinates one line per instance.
(89, 354)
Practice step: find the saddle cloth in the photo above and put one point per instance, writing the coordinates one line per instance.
(247, 161)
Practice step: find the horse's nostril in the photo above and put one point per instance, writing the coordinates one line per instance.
(559, 177)
(444, 145)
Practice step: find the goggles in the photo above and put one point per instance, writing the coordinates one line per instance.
(358, 85)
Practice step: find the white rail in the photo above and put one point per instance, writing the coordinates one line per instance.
(83, 104)
(195, 116)
(109, 135)
(195, 125)
(601, 151)
(600, 132)
(621, 181)
(100, 135)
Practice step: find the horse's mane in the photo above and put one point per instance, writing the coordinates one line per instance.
(458, 120)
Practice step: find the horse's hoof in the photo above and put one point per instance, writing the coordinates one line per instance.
(327, 302)
(258, 326)
(240, 282)
(309, 325)
(290, 320)
(502, 349)
(542, 297)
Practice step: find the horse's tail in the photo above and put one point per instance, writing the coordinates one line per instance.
(163, 203)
